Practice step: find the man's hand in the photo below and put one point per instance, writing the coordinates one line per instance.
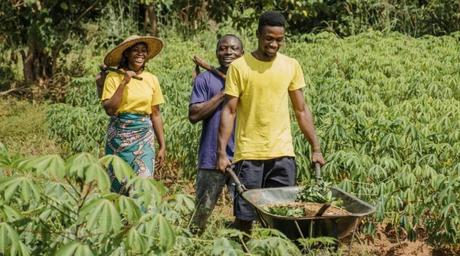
(317, 157)
(222, 163)
(160, 158)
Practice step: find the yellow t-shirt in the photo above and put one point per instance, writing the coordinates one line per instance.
(263, 126)
(138, 96)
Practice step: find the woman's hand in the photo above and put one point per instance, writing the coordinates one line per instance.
(160, 157)
(128, 75)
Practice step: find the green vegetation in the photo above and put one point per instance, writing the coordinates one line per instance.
(38, 31)
(318, 192)
(23, 128)
(52, 206)
(385, 108)
(65, 208)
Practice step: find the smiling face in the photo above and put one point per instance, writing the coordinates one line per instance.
(270, 40)
(228, 49)
(136, 56)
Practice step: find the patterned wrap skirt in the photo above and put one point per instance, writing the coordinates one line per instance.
(130, 136)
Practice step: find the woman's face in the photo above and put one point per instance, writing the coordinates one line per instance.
(136, 56)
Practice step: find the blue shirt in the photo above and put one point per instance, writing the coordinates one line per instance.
(205, 86)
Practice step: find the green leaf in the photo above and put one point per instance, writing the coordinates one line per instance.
(272, 246)
(310, 242)
(165, 232)
(9, 186)
(10, 243)
(183, 203)
(145, 190)
(49, 165)
(95, 172)
(76, 164)
(74, 248)
(3, 150)
(27, 187)
(68, 249)
(101, 215)
(135, 242)
(121, 169)
(223, 246)
(64, 6)
(129, 208)
(9, 213)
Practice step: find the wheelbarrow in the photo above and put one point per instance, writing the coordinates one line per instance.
(302, 227)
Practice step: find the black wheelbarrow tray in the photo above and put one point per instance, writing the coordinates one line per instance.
(302, 227)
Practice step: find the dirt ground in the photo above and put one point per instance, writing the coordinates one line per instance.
(384, 243)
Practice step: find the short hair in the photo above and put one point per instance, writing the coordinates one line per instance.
(229, 35)
(271, 18)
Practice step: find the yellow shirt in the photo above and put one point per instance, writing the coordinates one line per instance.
(138, 96)
(263, 126)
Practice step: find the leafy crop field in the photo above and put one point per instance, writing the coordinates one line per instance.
(387, 112)
(386, 109)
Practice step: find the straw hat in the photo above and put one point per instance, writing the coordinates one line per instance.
(154, 46)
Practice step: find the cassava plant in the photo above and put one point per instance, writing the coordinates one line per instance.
(49, 205)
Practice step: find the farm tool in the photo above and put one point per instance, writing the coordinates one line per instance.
(337, 226)
(199, 62)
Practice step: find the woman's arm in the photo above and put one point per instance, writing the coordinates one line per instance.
(157, 124)
(111, 105)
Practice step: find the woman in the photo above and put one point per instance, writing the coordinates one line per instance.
(132, 97)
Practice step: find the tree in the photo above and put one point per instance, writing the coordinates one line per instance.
(38, 30)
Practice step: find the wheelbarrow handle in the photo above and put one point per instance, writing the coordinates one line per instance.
(317, 172)
(240, 188)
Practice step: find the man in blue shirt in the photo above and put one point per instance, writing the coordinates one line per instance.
(206, 105)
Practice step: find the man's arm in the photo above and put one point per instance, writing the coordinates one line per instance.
(305, 120)
(201, 111)
(227, 121)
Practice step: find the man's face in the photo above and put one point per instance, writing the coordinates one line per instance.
(228, 50)
(271, 38)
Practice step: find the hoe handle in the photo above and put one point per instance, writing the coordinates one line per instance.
(106, 68)
(202, 63)
(239, 187)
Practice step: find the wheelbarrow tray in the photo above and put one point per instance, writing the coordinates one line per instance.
(301, 227)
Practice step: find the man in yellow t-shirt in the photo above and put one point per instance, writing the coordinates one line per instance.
(258, 88)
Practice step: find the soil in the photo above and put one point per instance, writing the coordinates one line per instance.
(311, 209)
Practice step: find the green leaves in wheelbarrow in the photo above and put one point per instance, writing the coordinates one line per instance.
(318, 193)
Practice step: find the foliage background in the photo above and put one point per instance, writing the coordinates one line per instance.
(383, 86)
